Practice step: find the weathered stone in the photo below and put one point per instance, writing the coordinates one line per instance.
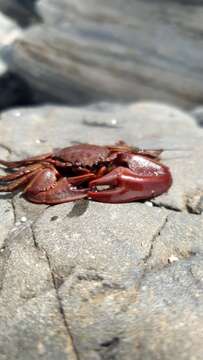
(160, 319)
(112, 240)
(182, 238)
(19, 282)
(119, 50)
(37, 331)
(95, 281)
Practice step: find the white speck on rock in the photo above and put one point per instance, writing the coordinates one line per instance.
(17, 113)
(114, 121)
(41, 348)
(149, 203)
(172, 259)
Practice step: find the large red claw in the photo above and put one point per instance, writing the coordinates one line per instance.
(126, 185)
(49, 191)
(60, 193)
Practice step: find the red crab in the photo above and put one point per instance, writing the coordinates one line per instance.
(111, 174)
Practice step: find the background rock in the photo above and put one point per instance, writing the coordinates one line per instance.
(88, 280)
(113, 50)
(13, 89)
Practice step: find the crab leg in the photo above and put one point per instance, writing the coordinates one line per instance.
(146, 179)
(28, 161)
(18, 183)
(21, 172)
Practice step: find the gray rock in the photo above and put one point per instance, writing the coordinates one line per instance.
(8, 33)
(37, 331)
(160, 319)
(95, 281)
(181, 239)
(98, 237)
(119, 50)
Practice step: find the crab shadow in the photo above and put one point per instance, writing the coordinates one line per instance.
(6, 196)
(79, 208)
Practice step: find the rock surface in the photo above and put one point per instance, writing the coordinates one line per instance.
(113, 49)
(92, 281)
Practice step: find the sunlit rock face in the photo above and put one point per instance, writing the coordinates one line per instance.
(84, 51)
(123, 280)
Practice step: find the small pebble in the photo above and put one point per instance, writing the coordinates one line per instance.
(41, 348)
(114, 121)
(17, 113)
(39, 141)
(172, 259)
(149, 203)
(23, 219)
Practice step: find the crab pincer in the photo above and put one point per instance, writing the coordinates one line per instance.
(140, 178)
(60, 191)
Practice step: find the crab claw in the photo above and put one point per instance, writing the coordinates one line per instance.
(125, 185)
(60, 193)
(63, 190)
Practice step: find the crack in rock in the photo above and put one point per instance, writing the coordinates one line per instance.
(154, 238)
(4, 257)
(71, 343)
(7, 148)
(14, 210)
(165, 206)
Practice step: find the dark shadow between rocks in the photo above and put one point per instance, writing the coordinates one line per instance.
(24, 12)
(109, 349)
(6, 196)
(14, 91)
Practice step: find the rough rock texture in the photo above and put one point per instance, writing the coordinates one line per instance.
(124, 50)
(95, 281)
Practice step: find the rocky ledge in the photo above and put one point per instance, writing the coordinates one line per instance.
(79, 51)
(92, 281)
